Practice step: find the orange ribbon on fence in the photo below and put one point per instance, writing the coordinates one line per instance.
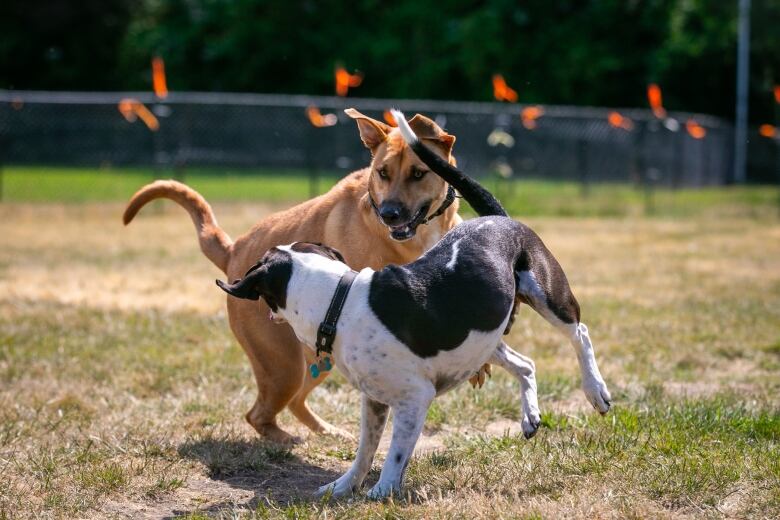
(768, 131)
(346, 81)
(159, 84)
(617, 120)
(502, 91)
(132, 109)
(389, 119)
(655, 100)
(529, 115)
(695, 130)
(316, 118)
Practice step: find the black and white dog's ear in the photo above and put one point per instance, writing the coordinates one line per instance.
(267, 279)
(247, 288)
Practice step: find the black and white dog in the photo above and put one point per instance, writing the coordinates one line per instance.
(409, 333)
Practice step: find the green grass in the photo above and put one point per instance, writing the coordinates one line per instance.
(677, 454)
(76, 185)
(526, 198)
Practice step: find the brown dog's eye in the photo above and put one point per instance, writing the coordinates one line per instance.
(382, 172)
(418, 174)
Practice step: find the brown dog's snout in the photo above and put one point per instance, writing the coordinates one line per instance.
(394, 212)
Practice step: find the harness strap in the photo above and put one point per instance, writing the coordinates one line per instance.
(326, 333)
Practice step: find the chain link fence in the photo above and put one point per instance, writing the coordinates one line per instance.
(273, 131)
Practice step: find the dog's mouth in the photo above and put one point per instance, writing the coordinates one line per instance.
(406, 231)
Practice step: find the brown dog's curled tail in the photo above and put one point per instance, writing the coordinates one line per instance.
(214, 242)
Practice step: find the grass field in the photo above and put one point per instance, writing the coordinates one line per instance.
(522, 197)
(122, 391)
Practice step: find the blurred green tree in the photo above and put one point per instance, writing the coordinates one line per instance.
(63, 44)
(596, 52)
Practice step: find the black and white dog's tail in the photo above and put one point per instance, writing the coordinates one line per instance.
(483, 202)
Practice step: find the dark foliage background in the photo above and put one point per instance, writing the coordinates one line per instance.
(586, 52)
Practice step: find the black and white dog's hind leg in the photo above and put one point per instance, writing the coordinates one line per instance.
(544, 287)
(373, 417)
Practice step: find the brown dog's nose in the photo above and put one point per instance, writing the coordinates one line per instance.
(393, 212)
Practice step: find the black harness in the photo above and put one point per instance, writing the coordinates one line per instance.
(448, 200)
(326, 333)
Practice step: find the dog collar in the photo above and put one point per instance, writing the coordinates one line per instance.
(326, 333)
(448, 200)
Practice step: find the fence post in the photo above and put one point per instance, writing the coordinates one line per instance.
(179, 170)
(2, 169)
(582, 166)
(314, 187)
(679, 159)
(640, 166)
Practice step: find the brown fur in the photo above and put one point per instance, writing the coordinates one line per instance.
(342, 218)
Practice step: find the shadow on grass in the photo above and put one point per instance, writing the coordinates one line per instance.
(270, 471)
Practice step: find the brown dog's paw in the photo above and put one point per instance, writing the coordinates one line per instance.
(478, 379)
(283, 438)
(272, 433)
(339, 433)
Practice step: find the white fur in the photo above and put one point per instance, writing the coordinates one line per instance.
(455, 248)
(406, 131)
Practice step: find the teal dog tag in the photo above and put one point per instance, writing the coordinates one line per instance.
(322, 365)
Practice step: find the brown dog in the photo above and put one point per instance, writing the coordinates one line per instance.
(374, 217)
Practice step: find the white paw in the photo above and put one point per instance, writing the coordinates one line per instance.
(381, 490)
(530, 424)
(598, 395)
(342, 487)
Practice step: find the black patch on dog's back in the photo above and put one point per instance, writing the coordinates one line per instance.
(432, 308)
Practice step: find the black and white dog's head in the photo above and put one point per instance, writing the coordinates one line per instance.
(270, 277)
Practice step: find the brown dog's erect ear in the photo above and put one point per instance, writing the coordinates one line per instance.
(432, 133)
(372, 132)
